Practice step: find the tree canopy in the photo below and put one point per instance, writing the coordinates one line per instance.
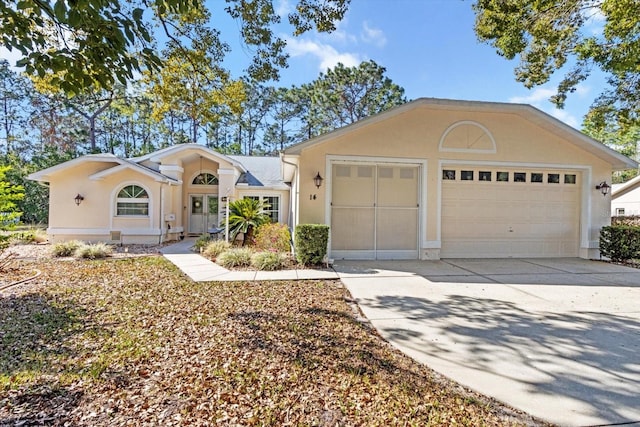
(573, 37)
(99, 43)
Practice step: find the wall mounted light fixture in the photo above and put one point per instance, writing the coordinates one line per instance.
(603, 187)
(318, 180)
(78, 199)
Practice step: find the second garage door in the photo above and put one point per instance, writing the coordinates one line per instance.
(490, 212)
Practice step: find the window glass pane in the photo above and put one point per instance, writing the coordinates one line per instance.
(196, 205)
(484, 176)
(448, 174)
(519, 177)
(128, 208)
(205, 178)
(502, 176)
(466, 175)
(569, 178)
(536, 177)
(132, 192)
(553, 178)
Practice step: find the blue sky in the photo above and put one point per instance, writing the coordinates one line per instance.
(427, 46)
(430, 49)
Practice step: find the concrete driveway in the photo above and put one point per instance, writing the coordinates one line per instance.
(557, 338)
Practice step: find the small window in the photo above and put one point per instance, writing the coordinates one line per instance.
(132, 200)
(466, 175)
(407, 173)
(569, 178)
(385, 172)
(365, 171)
(205, 178)
(536, 177)
(502, 176)
(484, 176)
(448, 174)
(519, 177)
(343, 171)
(272, 206)
(553, 178)
(619, 211)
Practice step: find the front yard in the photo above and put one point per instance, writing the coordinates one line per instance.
(134, 342)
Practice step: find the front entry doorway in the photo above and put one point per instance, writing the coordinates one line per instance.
(203, 212)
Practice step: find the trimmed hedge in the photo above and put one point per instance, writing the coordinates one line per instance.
(620, 242)
(311, 243)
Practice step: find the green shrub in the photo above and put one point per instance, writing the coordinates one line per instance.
(269, 260)
(273, 237)
(95, 251)
(201, 242)
(63, 249)
(620, 242)
(311, 243)
(236, 257)
(215, 248)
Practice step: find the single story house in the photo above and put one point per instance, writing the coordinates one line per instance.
(430, 179)
(625, 198)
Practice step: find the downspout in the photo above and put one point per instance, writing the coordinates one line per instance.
(293, 199)
(161, 213)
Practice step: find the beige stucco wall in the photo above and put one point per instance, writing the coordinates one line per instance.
(95, 217)
(168, 218)
(417, 133)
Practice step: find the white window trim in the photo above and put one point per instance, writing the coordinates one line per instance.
(262, 196)
(114, 202)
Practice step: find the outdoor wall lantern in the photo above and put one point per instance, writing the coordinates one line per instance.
(78, 199)
(603, 187)
(318, 180)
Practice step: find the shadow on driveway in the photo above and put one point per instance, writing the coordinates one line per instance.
(537, 347)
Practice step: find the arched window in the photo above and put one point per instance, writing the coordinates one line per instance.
(205, 178)
(132, 200)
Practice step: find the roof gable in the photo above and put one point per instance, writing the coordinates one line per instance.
(527, 112)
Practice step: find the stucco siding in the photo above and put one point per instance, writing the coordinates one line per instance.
(417, 134)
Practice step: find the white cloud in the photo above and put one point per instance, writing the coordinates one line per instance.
(328, 56)
(373, 35)
(539, 98)
(536, 96)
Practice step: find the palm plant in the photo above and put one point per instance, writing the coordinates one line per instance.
(245, 216)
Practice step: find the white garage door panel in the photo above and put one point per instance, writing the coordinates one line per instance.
(510, 219)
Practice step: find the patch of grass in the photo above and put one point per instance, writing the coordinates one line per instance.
(134, 341)
(65, 249)
(215, 248)
(269, 261)
(93, 251)
(235, 257)
(201, 242)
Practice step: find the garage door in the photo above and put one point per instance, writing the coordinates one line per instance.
(488, 212)
(374, 211)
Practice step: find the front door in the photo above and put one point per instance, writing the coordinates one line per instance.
(203, 213)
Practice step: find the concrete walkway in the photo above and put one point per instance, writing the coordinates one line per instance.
(557, 338)
(200, 269)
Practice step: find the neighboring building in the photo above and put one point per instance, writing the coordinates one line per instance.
(625, 198)
(429, 179)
